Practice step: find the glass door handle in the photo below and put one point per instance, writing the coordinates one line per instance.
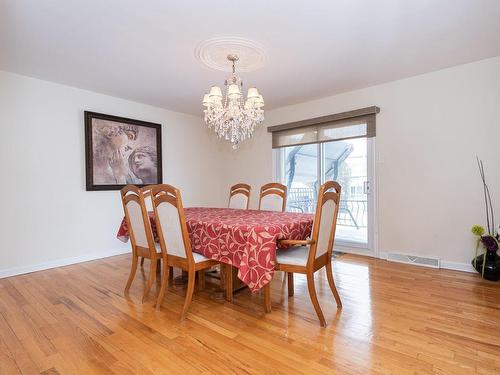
(366, 187)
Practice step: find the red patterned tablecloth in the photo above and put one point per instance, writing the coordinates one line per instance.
(246, 239)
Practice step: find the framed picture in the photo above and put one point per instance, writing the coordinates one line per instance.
(121, 151)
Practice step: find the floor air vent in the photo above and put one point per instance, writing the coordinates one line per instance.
(411, 259)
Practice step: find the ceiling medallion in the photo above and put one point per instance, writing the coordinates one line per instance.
(232, 118)
(213, 53)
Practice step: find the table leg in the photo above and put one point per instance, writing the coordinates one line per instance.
(228, 282)
(201, 280)
(267, 298)
(181, 279)
(290, 283)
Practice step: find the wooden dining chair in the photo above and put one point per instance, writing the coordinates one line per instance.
(141, 235)
(174, 242)
(309, 256)
(273, 197)
(239, 196)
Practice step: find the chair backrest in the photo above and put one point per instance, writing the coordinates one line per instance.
(239, 196)
(272, 197)
(325, 220)
(148, 199)
(171, 222)
(137, 218)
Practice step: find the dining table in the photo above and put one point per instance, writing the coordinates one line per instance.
(245, 239)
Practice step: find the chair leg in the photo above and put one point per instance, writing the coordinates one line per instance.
(314, 298)
(171, 274)
(331, 281)
(131, 277)
(142, 261)
(201, 280)
(164, 285)
(151, 280)
(290, 284)
(267, 297)
(189, 293)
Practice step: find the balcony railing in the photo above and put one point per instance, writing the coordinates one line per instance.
(352, 212)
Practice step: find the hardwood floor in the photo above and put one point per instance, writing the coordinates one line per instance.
(397, 319)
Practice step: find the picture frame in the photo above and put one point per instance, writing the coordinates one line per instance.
(121, 151)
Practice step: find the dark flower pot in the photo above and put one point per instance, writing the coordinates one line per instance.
(491, 268)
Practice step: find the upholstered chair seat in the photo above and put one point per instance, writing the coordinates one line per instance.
(198, 258)
(296, 256)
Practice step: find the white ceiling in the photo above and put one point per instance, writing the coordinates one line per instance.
(144, 50)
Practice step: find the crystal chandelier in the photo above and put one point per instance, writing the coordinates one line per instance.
(232, 118)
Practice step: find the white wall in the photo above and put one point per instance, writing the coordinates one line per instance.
(429, 130)
(46, 216)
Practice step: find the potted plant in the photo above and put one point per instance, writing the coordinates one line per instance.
(487, 263)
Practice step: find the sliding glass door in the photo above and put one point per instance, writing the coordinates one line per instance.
(303, 168)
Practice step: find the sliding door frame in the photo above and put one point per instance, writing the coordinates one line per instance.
(371, 247)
